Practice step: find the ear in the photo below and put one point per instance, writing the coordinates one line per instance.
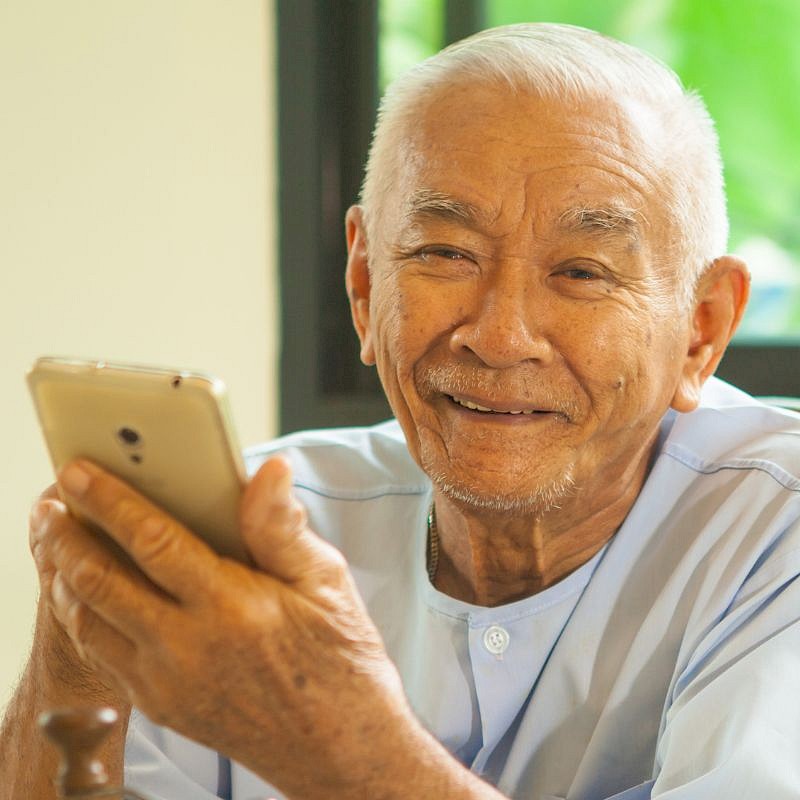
(358, 281)
(720, 302)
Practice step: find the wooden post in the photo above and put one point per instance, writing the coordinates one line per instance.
(78, 733)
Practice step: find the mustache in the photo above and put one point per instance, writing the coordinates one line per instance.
(520, 384)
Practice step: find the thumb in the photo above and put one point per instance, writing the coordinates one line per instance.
(273, 525)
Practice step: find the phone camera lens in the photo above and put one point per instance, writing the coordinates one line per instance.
(128, 436)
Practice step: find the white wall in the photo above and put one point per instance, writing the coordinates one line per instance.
(137, 207)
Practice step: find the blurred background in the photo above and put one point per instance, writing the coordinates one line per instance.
(137, 219)
(174, 175)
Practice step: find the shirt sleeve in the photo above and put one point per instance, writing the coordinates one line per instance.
(159, 762)
(733, 728)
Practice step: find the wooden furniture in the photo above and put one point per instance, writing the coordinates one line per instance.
(78, 733)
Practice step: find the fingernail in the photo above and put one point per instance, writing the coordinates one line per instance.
(283, 486)
(75, 479)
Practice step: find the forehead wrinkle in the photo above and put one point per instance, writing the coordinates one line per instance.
(639, 171)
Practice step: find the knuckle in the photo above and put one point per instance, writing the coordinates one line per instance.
(81, 625)
(279, 516)
(298, 516)
(78, 621)
(288, 518)
(113, 502)
(124, 514)
(147, 533)
(155, 539)
(68, 610)
(92, 581)
(335, 563)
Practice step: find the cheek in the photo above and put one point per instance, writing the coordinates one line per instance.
(401, 340)
(393, 327)
(411, 318)
(617, 359)
(643, 373)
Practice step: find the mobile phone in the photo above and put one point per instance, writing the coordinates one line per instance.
(168, 433)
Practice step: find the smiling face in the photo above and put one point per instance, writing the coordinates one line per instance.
(525, 327)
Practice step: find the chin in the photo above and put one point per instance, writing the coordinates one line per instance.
(530, 501)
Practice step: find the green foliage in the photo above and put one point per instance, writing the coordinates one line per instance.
(410, 30)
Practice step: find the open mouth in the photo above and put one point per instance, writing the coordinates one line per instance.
(486, 410)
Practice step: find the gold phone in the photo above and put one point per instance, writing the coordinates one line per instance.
(168, 433)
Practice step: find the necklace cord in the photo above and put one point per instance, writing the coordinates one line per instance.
(433, 544)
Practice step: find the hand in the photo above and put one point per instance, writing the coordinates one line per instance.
(279, 667)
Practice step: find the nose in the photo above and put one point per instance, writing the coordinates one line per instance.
(507, 324)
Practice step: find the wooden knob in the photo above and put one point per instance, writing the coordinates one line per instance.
(78, 733)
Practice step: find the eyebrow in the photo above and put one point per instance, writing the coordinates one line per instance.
(604, 220)
(426, 203)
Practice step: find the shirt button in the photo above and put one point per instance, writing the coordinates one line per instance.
(496, 639)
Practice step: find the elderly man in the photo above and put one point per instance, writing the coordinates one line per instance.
(566, 571)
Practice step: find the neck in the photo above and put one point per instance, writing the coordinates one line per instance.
(491, 558)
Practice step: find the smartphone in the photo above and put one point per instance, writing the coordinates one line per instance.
(168, 433)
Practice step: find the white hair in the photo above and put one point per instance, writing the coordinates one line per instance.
(568, 63)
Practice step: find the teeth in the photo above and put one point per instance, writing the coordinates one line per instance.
(476, 407)
(473, 406)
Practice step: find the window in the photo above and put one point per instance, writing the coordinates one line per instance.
(335, 57)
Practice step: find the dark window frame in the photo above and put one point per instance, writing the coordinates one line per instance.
(327, 96)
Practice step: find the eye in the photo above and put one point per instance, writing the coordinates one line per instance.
(446, 253)
(580, 274)
(582, 278)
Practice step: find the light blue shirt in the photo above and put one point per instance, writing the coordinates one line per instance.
(667, 667)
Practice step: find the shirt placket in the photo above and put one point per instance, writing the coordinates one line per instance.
(499, 696)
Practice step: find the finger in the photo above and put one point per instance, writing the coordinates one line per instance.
(170, 555)
(97, 577)
(274, 528)
(98, 644)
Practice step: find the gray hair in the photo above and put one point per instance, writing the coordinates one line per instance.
(570, 63)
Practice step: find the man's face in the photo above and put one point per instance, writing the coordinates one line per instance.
(526, 333)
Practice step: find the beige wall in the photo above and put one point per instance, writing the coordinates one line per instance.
(137, 196)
